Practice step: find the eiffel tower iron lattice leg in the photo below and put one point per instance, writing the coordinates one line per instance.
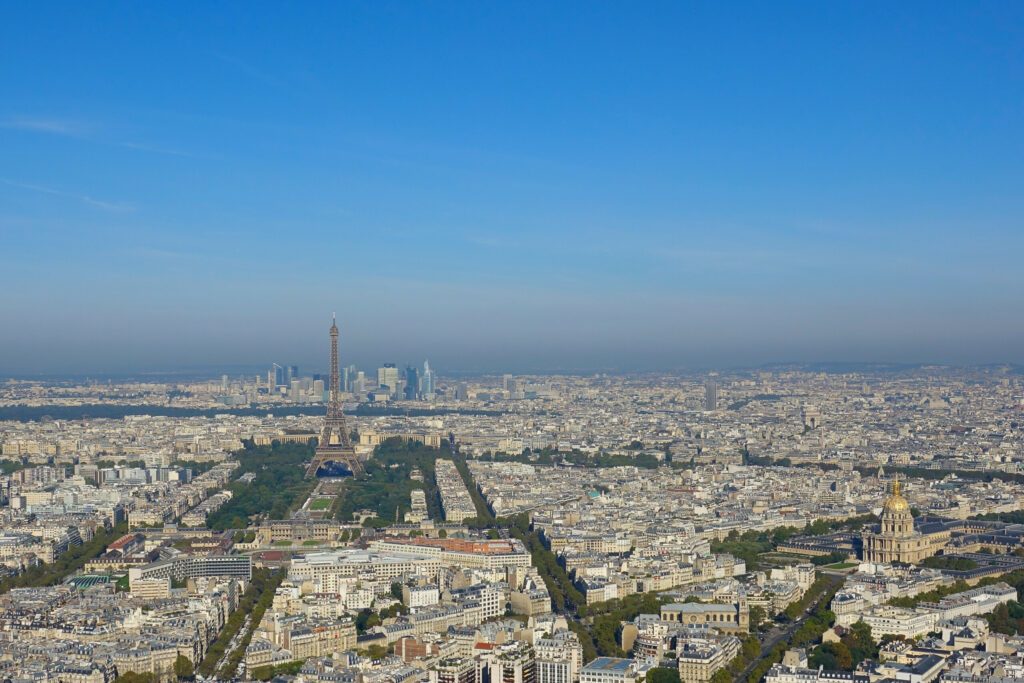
(335, 444)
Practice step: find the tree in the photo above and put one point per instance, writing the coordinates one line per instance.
(721, 676)
(661, 674)
(823, 658)
(393, 611)
(750, 649)
(396, 590)
(949, 562)
(860, 643)
(443, 533)
(831, 558)
(183, 668)
(757, 617)
(266, 673)
(279, 484)
(817, 528)
(132, 677)
(832, 656)
(376, 652)
(365, 620)
(999, 620)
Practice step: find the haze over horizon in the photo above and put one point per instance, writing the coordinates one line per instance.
(510, 187)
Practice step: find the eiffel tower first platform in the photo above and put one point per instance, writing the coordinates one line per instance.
(335, 444)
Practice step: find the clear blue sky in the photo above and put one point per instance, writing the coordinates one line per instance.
(510, 185)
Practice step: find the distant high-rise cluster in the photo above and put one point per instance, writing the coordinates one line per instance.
(285, 381)
(410, 383)
(392, 383)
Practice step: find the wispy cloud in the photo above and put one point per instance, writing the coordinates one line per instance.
(114, 207)
(47, 125)
(84, 131)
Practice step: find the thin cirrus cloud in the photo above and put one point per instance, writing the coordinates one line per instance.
(114, 207)
(46, 125)
(80, 130)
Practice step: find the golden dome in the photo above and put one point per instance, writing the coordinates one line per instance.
(896, 503)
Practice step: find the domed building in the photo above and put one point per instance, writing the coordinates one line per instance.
(896, 539)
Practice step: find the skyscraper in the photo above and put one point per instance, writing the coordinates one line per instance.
(387, 376)
(517, 389)
(427, 386)
(412, 383)
(711, 395)
(278, 375)
(346, 381)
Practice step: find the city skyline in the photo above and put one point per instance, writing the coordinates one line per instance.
(412, 342)
(529, 188)
(370, 362)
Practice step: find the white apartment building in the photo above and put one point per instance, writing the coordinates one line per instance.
(420, 596)
(609, 670)
(327, 569)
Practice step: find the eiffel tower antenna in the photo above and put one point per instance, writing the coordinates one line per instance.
(335, 444)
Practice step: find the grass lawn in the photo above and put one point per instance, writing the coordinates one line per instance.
(840, 565)
(320, 504)
(781, 559)
(311, 542)
(282, 544)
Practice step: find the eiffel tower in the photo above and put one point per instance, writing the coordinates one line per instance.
(334, 444)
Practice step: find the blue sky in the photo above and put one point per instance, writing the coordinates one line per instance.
(510, 185)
